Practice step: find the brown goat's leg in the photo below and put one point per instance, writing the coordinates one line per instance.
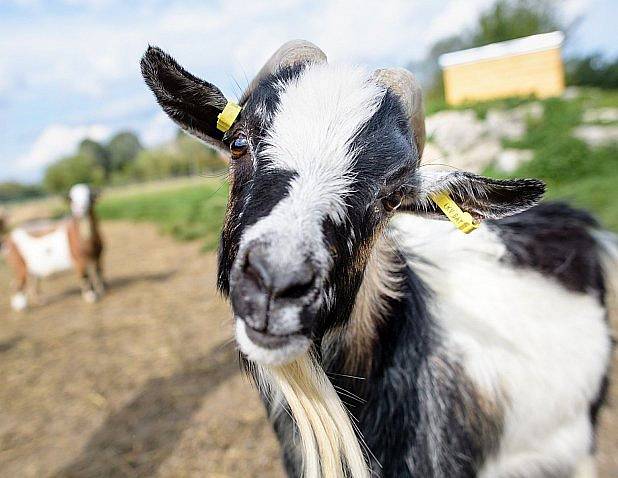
(19, 300)
(88, 293)
(99, 282)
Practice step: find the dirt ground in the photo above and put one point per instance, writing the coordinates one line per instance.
(144, 383)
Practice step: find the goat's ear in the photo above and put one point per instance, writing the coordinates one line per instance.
(482, 197)
(192, 103)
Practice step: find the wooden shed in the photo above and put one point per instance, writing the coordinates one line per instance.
(526, 66)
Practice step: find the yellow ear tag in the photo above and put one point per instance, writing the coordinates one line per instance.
(226, 118)
(463, 220)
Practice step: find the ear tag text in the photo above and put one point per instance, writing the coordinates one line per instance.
(462, 220)
(226, 118)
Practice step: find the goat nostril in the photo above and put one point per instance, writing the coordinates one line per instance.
(256, 271)
(296, 290)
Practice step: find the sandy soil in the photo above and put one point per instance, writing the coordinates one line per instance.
(144, 383)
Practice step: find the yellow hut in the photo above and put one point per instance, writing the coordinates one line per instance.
(526, 66)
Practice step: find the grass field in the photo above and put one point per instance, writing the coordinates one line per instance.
(186, 212)
(574, 172)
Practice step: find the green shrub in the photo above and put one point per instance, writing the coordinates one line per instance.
(60, 176)
(189, 212)
(573, 171)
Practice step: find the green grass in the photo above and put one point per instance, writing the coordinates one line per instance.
(574, 172)
(187, 213)
(480, 108)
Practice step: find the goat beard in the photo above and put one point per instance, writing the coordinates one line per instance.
(330, 447)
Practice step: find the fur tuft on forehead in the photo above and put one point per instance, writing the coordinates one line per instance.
(319, 114)
(318, 117)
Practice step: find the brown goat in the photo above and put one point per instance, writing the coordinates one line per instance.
(40, 249)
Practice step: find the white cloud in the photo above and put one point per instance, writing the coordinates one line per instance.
(58, 140)
(91, 52)
(455, 17)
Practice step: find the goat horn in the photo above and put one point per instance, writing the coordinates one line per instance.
(288, 54)
(403, 83)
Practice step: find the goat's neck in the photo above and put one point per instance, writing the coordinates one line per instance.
(380, 287)
(88, 226)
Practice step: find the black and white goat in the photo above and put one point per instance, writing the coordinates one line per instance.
(455, 355)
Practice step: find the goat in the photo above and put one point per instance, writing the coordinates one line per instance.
(385, 342)
(42, 248)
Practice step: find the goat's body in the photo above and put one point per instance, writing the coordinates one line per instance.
(488, 365)
(40, 250)
(45, 254)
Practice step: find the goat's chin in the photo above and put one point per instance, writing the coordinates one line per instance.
(294, 347)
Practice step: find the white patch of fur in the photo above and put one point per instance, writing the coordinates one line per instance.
(44, 255)
(19, 301)
(318, 117)
(80, 197)
(327, 436)
(278, 356)
(544, 347)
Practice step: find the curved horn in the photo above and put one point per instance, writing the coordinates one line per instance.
(288, 54)
(403, 83)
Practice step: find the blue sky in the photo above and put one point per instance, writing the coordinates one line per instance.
(70, 68)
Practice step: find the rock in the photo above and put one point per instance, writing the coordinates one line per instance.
(477, 158)
(510, 159)
(600, 115)
(596, 135)
(532, 110)
(571, 93)
(455, 130)
(512, 124)
(504, 124)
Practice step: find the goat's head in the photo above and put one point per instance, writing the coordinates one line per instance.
(321, 157)
(81, 199)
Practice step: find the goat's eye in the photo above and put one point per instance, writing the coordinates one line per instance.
(238, 146)
(393, 200)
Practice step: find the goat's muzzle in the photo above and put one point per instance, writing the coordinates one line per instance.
(274, 295)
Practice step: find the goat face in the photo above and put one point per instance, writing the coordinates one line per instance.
(81, 199)
(321, 156)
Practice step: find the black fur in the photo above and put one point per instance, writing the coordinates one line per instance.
(414, 393)
(483, 198)
(556, 240)
(192, 103)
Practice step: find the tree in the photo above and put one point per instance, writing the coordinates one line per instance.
(60, 176)
(13, 191)
(122, 149)
(593, 70)
(89, 148)
(510, 19)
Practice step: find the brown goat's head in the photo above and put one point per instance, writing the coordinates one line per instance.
(321, 156)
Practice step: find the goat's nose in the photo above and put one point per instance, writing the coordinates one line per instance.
(278, 277)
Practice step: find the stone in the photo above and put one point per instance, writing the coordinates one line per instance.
(510, 159)
(600, 115)
(596, 135)
(455, 130)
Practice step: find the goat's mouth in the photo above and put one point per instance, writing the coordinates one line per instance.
(270, 349)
